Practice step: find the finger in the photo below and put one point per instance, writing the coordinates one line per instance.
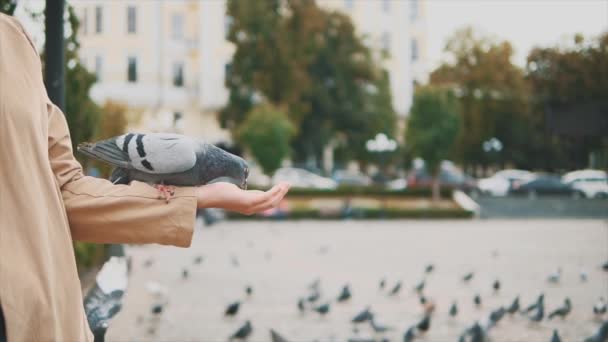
(273, 201)
(265, 196)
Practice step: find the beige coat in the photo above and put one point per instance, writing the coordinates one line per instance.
(46, 202)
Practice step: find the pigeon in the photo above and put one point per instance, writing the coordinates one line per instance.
(539, 301)
(198, 260)
(382, 283)
(477, 300)
(395, 290)
(232, 309)
(420, 287)
(605, 266)
(429, 268)
(322, 309)
(301, 307)
(555, 277)
(601, 335)
(555, 337)
(514, 307)
(600, 307)
(363, 316)
(475, 333)
(165, 158)
(313, 297)
(249, 290)
(149, 262)
(496, 285)
(185, 273)
(157, 309)
(275, 337)
(496, 316)
(409, 335)
(243, 332)
(539, 315)
(467, 277)
(377, 327)
(583, 276)
(424, 325)
(453, 309)
(562, 311)
(345, 294)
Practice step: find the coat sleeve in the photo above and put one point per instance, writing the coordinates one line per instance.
(102, 212)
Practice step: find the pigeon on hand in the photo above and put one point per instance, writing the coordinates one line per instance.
(363, 316)
(453, 309)
(514, 307)
(167, 159)
(243, 332)
(562, 311)
(232, 309)
(555, 337)
(345, 294)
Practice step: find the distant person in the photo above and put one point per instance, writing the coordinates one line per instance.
(46, 202)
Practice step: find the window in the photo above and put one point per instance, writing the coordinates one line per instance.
(98, 19)
(132, 70)
(386, 6)
(349, 4)
(413, 9)
(85, 20)
(414, 50)
(386, 41)
(178, 74)
(98, 67)
(131, 19)
(177, 26)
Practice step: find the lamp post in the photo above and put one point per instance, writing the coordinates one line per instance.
(492, 147)
(381, 144)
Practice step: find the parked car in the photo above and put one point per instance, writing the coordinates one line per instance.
(397, 184)
(592, 183)
(301, 178)
(502, 181)
(450, 176)
(346, 178)
(545, 184)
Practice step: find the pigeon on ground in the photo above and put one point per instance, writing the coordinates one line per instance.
(382, 283)
(420, 287)
(473, 334)
(378, 328)
(157, 308)
(248, 290)
(496, 316)
(514, 307)
(600, 308)
(583, 276)
(301, 306)
(601, 335)
(314, 296)
(322, 309)
(185, 273)
(539, 301)
(605, 266)
(496, 285)
(395, 290)
(363, 316)
(198, 260)
(538, 315)
(275, 337)
(467, 277)
(429, 268)
(232, 309)
(425, 324)
(345, 294)
(562, 311)
(148, 262)
(477, 300)
(555, 277)
(167, 159)
(555, 337)
(454, 309)
(243, 332)
(409, 334)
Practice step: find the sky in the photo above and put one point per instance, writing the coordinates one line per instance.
(525, 23)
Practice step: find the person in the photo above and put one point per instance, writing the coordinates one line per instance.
(46, 202)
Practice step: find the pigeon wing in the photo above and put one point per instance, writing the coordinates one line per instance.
(159, 153)
(107, 151)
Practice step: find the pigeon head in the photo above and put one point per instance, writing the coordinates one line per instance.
(222, 166)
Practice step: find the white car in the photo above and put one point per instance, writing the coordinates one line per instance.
(301, 178)
(592, 183)
(502, 181)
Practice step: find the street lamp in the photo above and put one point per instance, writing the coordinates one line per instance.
(381, 143)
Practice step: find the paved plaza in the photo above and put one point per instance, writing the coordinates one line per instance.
(280, 259)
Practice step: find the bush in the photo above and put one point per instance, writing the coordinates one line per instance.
(367, 213)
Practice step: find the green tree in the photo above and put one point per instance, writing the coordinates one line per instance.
(432, 129)
(493, 96)
(113, 122)
(8, 6)
(267, 132)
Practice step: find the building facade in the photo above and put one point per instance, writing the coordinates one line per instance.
(167, 59)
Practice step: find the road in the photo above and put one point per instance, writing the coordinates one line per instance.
(279, 260)
(542, 207)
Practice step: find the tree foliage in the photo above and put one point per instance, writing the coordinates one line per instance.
(267, 132)
(113, 122)
(310, 62)
(8, 6)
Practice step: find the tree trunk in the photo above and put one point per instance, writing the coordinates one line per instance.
(54, 52)
(435, 188)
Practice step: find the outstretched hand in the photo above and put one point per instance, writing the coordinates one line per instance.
(230, 197)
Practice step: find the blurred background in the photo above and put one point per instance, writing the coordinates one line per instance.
(466, 135)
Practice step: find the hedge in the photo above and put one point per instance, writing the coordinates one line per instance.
(365, 213)
(366, 192)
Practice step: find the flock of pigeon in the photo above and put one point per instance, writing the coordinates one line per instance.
(479, 331)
